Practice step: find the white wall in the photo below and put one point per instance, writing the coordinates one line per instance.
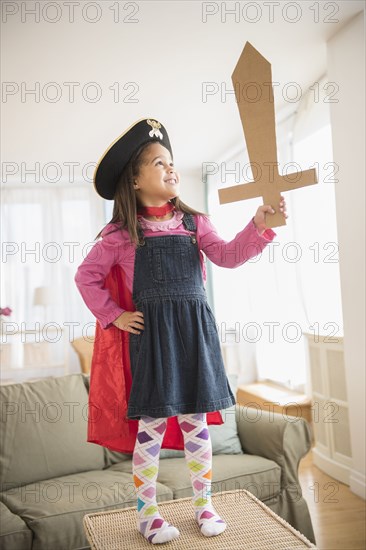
(346, 67)
(192, 190)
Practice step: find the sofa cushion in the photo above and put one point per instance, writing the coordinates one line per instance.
(14, 533)
(260, 476)
(43, 431)
(171, 453)
(113, 457)
(224, 438)
(54, 509)
(86, 380)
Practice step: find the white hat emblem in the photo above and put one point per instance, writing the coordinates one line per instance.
(155, 131)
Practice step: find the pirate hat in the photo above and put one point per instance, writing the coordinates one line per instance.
(110, 166)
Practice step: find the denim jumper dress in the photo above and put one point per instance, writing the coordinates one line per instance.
(176, 361)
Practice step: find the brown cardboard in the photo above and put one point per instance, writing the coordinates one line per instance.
(252, 82)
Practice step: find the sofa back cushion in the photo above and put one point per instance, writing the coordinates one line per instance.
(43, 430)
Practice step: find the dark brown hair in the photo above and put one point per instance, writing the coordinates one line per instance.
(125, 199)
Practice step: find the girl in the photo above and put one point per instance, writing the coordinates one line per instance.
(157, 362)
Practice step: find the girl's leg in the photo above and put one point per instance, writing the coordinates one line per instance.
(145, 467)
(198, 453)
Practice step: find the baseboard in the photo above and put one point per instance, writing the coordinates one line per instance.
(334, 469)
(357, 483)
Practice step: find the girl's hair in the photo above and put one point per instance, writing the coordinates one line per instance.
(125, 199)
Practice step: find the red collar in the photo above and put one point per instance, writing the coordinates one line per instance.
(156, 210)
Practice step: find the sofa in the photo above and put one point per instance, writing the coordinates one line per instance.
(51, 477)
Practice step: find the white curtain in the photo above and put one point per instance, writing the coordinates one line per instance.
(293, 286)
(45, 235)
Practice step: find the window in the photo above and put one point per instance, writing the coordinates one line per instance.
(44, 232)
(293, 287)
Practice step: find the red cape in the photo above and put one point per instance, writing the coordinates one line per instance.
(110, 383)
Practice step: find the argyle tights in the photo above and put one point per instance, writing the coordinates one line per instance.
(145, 464)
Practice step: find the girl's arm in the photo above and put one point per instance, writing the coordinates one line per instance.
(247, 244)
(91, 274)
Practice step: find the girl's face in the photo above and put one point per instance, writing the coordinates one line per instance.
(157, 181)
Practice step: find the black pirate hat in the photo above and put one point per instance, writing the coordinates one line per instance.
(110, 166)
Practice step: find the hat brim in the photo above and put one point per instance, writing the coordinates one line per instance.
(115, 158)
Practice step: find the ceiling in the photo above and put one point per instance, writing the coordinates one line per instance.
(170, 51)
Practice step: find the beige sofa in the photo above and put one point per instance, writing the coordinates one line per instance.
(51, 477)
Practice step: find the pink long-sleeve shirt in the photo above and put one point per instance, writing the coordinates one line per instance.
(115, 247)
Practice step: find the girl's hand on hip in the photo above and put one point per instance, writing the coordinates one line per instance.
(260, 217)
(130, 321)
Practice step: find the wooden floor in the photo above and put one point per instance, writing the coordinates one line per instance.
(337, 514)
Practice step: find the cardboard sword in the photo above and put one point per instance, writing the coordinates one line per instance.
(252, 81)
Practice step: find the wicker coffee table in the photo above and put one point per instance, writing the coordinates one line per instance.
(251, 525)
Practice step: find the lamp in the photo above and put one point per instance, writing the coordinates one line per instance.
(42, 297)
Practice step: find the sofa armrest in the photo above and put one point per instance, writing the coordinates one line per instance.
(283, 439)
